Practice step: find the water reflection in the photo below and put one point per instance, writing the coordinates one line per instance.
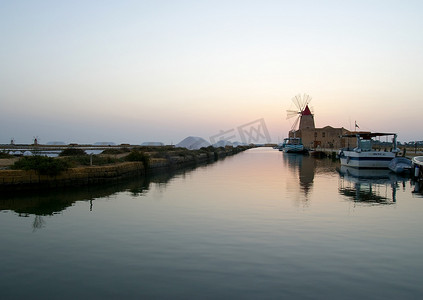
(38, 223)
(306, 167)
(418, 188)
(370, 186)
(49, 202)
(360, 185)
(302, 166)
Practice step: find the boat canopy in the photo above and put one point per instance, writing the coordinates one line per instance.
(366, 135)
(292, 141)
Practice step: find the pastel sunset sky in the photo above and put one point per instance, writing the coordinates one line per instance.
(137, 71)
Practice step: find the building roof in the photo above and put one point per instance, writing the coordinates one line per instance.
(306, 111)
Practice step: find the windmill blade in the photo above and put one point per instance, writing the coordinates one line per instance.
(297, 101)
(295, 124)
(291, 113)
(305, 101)
(301, 101)
(307, 98)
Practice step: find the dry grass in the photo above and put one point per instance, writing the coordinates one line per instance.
(7, 162)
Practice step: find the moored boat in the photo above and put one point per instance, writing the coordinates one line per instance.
(400, 165)
(418, 166)
(364, 156)
(293, 145)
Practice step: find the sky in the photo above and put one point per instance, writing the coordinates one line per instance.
(140, 71)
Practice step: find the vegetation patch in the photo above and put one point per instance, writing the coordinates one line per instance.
(115, 151)
(72, 152)
(42, 164)
(136, 155)
(156, 148)
(87, 160)
(5, 155)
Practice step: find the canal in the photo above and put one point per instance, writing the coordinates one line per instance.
(258, 225)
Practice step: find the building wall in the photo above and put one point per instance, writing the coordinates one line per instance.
(326, 137)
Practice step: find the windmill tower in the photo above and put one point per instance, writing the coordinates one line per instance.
(303, 113)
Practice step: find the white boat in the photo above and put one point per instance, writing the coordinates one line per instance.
(293, 145)
(364, 156)
(282, 145)
(418, 161)
(418, 166)
(400, 165)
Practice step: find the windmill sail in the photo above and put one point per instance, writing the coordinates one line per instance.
(301, 102)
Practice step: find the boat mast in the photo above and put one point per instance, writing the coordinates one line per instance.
(395, 143)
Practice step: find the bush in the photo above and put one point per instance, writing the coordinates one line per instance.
(85, 160)
(136, 155)
(115, 151)
(72, 152)
(42, 164)
(5, 155)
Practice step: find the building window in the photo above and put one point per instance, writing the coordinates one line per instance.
(323, 134)
(315, 134)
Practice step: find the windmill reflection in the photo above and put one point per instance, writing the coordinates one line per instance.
(38, 223)
(305, 166)
(370, 186)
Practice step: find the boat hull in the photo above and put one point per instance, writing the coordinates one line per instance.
(400, 165)
(294, 149)
(368, 159)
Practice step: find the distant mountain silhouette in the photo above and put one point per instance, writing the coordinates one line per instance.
(193, 143)
(222, 143)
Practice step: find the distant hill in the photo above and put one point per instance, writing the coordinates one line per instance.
(236, 144)
(222, 143)
(193, 143)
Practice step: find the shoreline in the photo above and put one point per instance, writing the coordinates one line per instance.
(15, 180)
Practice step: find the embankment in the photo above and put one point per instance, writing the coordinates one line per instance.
(87, 175)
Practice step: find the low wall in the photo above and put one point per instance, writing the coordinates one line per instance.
(20, 179)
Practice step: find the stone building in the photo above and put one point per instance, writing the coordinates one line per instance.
(326, 137)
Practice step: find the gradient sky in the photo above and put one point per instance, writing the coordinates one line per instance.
(137, 71)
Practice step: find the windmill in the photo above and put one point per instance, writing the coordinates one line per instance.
(303, 113)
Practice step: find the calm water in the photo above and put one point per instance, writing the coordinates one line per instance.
(258, 225)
